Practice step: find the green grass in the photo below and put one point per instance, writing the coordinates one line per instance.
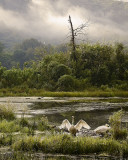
(66, 144)
(110, 100)
(6, 140)
(9, 127)
(6, 112)
(40, 92)
(24, 125)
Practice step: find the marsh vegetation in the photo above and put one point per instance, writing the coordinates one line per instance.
(39, 135)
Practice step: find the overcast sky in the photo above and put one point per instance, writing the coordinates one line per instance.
(48, 19)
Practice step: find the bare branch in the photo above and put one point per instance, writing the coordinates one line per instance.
(74, 33)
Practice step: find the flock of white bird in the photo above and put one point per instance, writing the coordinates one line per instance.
(73, 129)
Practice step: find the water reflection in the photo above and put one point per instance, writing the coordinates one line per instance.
(94, 114)
(41, 156)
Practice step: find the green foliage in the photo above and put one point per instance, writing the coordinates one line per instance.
(19, 57)
(6, 112)
(115, 121)
(66, 83)
(28, 144)
(120, 134)
(30, 43)
(60, 70)
(9, 127)
(44, 124)
(5, 140)
(1, 47)
(12, 77)
(89, 92)
(66, 144)
(24, 122)
(96, 65)
(105, 88)
(20, 156)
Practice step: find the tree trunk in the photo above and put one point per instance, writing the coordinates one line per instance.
(73, 41)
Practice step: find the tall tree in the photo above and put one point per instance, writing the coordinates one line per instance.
(74, 33)
(73, 45)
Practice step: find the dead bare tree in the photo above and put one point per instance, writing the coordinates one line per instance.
(73, 40)
(74, 34)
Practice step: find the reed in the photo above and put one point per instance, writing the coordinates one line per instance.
(6, 112)
(94, 92)
(6, 140)
(116, 123)
(66, 144)
(9, 127)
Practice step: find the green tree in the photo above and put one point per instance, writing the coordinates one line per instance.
(120, 60)
(57, 70)
(30, 43)
(66, 83)
(1, 47)
(19, 57)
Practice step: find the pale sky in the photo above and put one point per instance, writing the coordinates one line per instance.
(48, 19)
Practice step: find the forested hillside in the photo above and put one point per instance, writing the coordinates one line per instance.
(35, 65)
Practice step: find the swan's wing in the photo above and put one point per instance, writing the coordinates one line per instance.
(81, 124)
(65, 125)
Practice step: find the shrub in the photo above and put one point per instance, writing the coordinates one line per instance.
(43, 124)
(24, 122)
(120, 134)
(59, 71)
(5, 140)
(105, 88)
(25, 130)
(9, 127)
(28, 144)
(115, 121)
(66, 83)
(6, 112)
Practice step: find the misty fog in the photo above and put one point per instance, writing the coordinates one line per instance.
(48, 20)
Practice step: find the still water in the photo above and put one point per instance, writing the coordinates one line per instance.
(94, 114)
(58, 109)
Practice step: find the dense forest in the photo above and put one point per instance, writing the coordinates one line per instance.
(32, 64)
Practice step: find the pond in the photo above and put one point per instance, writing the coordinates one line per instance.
(95, 111)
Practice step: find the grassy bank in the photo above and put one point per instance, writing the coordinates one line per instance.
(40, 92)
(66, 144)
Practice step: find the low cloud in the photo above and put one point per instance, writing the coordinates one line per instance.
(48, 20)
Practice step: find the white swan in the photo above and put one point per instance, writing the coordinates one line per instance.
(66, 125)
(102, 129)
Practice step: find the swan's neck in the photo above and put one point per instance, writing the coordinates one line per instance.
(72, 120)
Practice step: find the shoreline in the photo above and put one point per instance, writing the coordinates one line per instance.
(18, 92)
